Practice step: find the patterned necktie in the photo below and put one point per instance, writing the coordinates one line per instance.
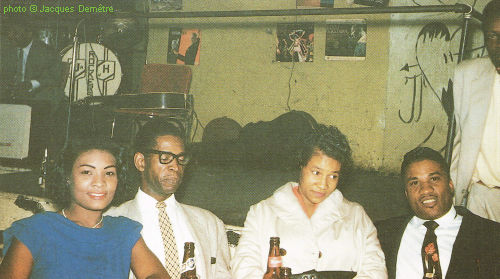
(430, 254)
(169, 244)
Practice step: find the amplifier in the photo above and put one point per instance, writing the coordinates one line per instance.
(15, 122)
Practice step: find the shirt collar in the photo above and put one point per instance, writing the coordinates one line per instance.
(442, 221)
(28, 47)
(146, 200)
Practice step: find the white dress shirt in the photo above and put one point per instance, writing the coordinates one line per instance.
(151, 228)
(409, 261)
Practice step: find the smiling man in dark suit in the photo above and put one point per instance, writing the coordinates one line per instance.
(439, 240)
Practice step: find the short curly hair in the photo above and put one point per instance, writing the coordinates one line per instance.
(155, 128)
(420, 154)
(60, 175)
(331, 142)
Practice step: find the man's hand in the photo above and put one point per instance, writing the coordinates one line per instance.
(21, 90)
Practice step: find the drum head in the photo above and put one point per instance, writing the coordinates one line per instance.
(98, 71)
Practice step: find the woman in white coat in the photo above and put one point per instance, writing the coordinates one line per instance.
(319, 229)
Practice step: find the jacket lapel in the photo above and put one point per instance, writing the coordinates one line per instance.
(129, 209)
(33, 54)
(464, 246)
(199, 233)
(481, 88)
(133, 211)
(395, 241)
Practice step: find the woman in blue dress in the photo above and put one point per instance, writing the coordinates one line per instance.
(78, 241)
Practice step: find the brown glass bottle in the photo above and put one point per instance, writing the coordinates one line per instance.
(274, 260)
(285, 273)
(188, 268)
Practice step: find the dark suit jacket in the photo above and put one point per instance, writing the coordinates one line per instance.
(476, 251)
(190, 56)
(42, 64)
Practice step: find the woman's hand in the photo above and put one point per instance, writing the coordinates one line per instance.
(144, 263)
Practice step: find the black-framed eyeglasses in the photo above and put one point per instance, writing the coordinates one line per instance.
(167, 157)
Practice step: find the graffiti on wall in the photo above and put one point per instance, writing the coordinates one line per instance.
(430, 73)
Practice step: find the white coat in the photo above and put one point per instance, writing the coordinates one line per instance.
(472, 89)
(339, 236)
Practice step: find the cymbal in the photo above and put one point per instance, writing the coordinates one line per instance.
(121, 33)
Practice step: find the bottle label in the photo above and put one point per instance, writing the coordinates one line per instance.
(274, 262)
(188, 265)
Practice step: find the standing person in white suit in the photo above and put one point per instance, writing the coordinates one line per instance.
(475, 165)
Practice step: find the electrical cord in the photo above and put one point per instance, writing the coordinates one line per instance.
(198, 123)
(291, 72)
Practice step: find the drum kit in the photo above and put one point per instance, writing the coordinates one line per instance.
(94, 78)
(97, 69)
(95, 72)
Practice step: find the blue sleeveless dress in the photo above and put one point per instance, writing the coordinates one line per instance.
(63, 249)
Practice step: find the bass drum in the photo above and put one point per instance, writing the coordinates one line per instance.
(98, 71)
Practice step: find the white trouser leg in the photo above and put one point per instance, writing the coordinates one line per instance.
(484, 201)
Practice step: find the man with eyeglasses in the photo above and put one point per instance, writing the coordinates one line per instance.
(161, 158)
(475, 165)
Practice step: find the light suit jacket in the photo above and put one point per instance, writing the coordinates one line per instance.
(472, 89)
(208, 232)
(338, 237)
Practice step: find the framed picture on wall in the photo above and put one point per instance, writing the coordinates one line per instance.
(295, 42)
(164, 5)
(184, 46)
(314, 3)
(345, 39)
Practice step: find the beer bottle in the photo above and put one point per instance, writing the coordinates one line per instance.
(285, 273)
(274, 259)
(188, 268)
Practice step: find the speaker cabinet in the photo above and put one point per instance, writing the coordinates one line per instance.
(15, 122)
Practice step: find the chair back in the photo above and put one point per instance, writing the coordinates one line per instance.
(163, 78)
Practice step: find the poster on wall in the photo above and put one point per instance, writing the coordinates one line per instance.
(345, 39)
(184, 46)
(314, 3)
(295, 42)
(164, 5)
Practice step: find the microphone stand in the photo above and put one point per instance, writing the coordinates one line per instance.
(72, 94)
(43, 169)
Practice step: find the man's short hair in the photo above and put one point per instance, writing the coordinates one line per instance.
(147, 135)
(490, 13)
(420, 154)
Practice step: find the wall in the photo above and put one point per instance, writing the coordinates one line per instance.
(426, 47)
(238, 78)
